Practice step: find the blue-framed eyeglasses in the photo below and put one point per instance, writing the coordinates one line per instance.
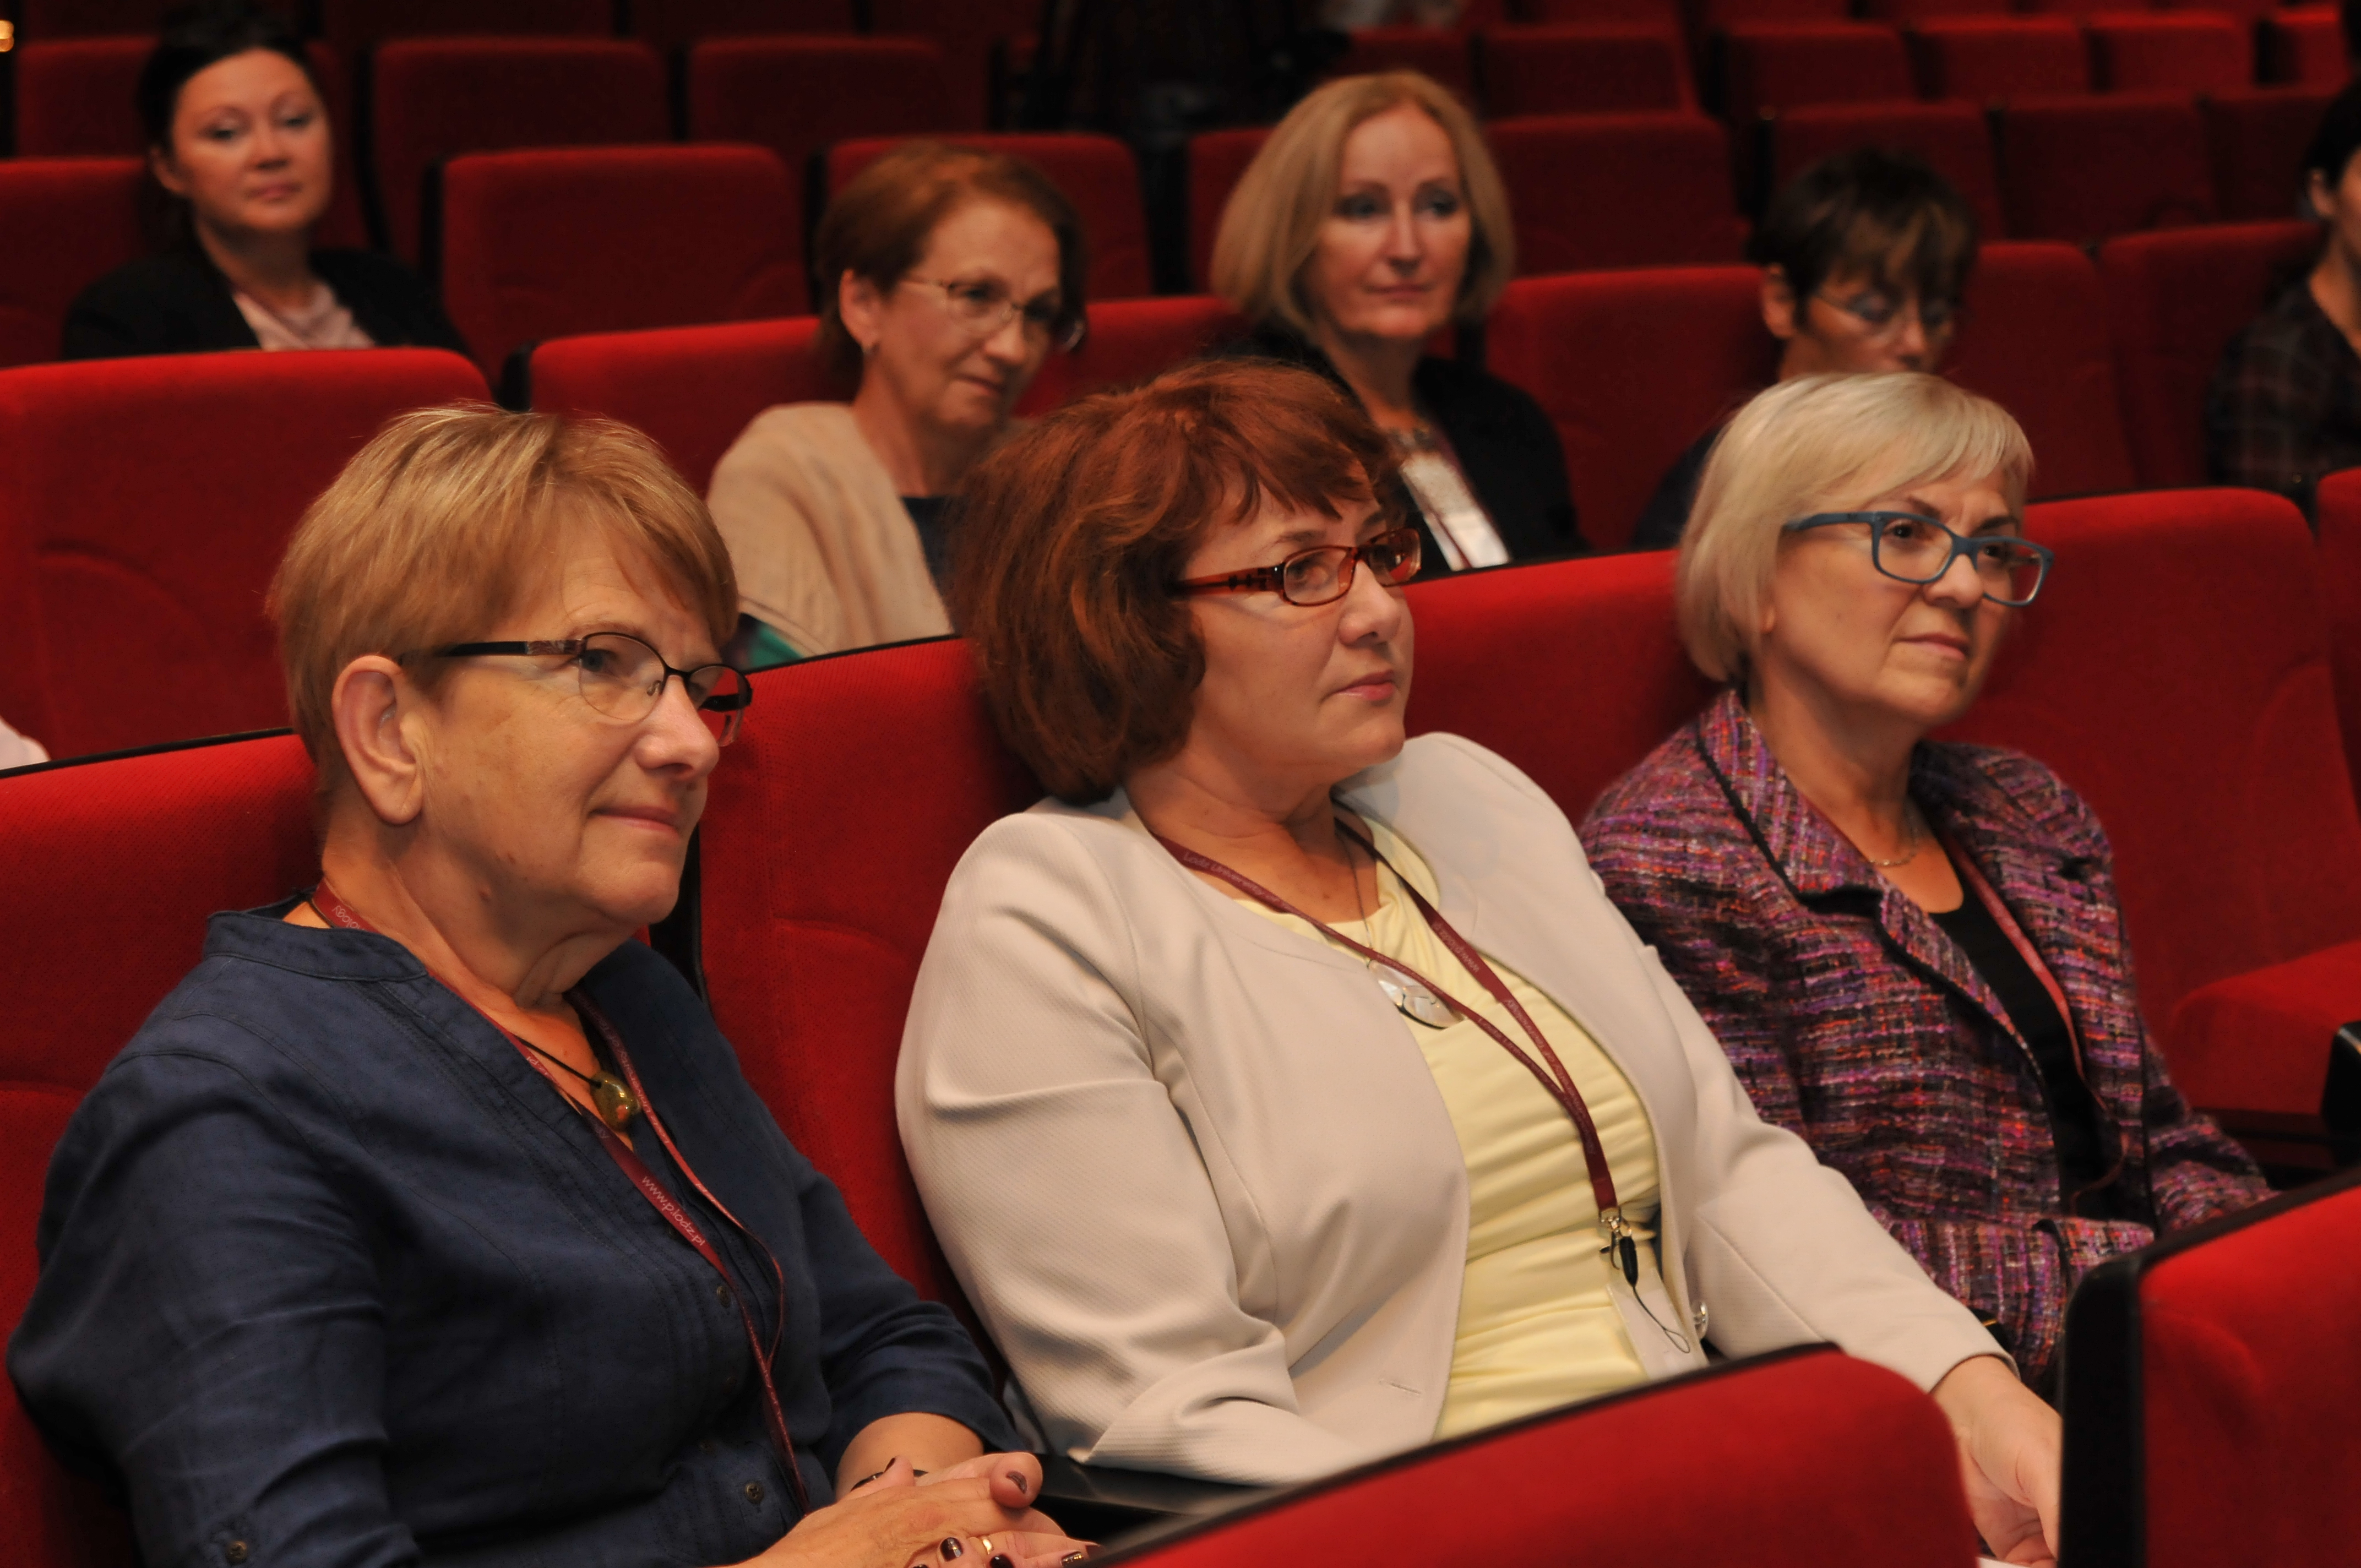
(1914, 549)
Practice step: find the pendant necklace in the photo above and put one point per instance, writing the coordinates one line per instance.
(1411, 1000)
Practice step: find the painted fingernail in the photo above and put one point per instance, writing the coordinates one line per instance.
(1016, 1480)
(951, 1547)
(1000, 1560)
(1071, 1558)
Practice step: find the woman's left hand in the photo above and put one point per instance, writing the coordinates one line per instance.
(2011, 1447)
(1016, 1483)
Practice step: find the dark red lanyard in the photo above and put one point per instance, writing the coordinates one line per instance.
(336, 912)
(1554, 1078)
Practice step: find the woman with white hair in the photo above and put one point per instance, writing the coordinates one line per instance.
(1911, 951)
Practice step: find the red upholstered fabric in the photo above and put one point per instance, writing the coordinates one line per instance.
(2252, 1374)
(668, 24)
(2082, 168)
(2175, 298)
(1216, 160)
(1770, 67)
(1985, 58)
(1952, 137)
(546, 244)
(1131, 340)
(2175, 51)
(692, 388)
(1914, 11)
(351, 24)
(2260, 1041)
(1598, 191)
(1584, 68)
(63, 222)
(1439, 53)
(982, 41)
(2339, 511)
(435, 98)
(1632, 366)
(1097, 173)
(1712, 16)
(131, 592)
(2305, 44)
(93, 18)
(1861, 1472)
(797, 95)
(1660, 14)
(2258, 137)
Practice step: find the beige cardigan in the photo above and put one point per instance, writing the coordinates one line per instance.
(824, 554)
(1197, 1180)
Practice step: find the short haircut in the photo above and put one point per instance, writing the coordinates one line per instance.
(1071, 533)
(196, 37)
(1817, 443)
(1271, 226)
(437, 528)
(878, 226)
(2338, 138)
(1873, 214)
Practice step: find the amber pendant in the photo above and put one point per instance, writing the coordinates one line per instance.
(614, 1099)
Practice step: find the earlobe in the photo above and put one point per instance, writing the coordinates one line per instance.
(857, 305)
(160, 164)
(1778, 304)
(372, 704)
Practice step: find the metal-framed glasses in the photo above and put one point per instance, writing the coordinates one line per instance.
(623, 677)
(1319, 575)
(984, 305)
(1882, 315)
(1914, 549)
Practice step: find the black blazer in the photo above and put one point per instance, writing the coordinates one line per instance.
(1507, 446)
(179, 302)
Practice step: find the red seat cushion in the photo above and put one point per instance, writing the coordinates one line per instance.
(796, 95)
(2194, 51)
(669, 23)
(1217, 160)
(2260, 1041)
(2082, 168)
(2035, 341)
(1984, 58)
(1952, 137)
(1770, 67)
(1600, 191)
(546, 244)
(692, 388)
(2306, 44)
(2258, 137)
(64, 222)
(352, 24)
(2175, 298)
(1437, 52)
(1097, 174)
(1132, 340)
(1572, 69)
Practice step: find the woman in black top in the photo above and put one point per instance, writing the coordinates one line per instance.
(1371, 220)
(238, 139)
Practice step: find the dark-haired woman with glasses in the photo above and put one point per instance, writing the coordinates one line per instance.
(1284, 1091)
(1911, 950)
(429, 1219)
(948, 275)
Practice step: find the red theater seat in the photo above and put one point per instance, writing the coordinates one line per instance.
(1098, 175)
(93, 19)
(435, 98)
(797, 95)
(1662, 14)
(131, 592)
(2082, 168)
(669, 23)
(2175, 299)
(2035, 341)
(64, 222)
(2339, 509)
(2305, 44)
(1952, 137)
(1716, 16)
(692, 388)
(2258, 137)
(1584, 69)
(352, 24)
(1438, 52)
(982, 39)
(1985, 58)
(1632, 366)
(2192, 51)
(1912, 12)
(2209, 1384)
(1598, 191)
(1768, 68)
(1131, 340)
(607, 239)
(1217, 159)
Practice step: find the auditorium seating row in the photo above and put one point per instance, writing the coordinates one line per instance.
(2176, 673)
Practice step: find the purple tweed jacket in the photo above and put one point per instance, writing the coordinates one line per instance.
(1856, 1022)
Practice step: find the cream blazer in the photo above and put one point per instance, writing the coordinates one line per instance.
(1197, 1178)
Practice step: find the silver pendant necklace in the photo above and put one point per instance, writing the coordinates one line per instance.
(1410, 999)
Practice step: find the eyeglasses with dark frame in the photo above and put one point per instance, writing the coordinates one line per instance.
(1319, 575)
(984, 305)
(1884, 315)
(1910, 548)
(623, 677)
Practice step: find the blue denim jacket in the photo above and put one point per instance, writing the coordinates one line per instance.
(330, 1276)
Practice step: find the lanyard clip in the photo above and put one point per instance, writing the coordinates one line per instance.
(1620, 1249)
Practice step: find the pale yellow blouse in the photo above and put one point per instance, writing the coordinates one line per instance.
(1538, 1326)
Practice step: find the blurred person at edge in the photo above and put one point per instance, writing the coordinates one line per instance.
(1372, 219)
(430, 1218)
(239, 142)
(948, 277)
(1865, 256)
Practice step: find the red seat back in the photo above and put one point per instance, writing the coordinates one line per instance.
(539, 245)
(692, 388)
(1952, 137)
(64, 222)
(1911, 11)
(1438, 52)
(2306, 44)
(1131, 340)
(1631, 368)
(2083, 168)
(1569, 69)
(2035, 341)
(1217, 160)
(1599, 190)
(2185, 51)
(1769, 67)
(2339, 509)
(1098, 175)
(2175, 299)
(1980, 59)
(795, 95)
(131, 592)
(669, 23)
(432, 99)
(93, 18)
(1661, 13)
(353, 24)
(1716, 16)
(2258, 137)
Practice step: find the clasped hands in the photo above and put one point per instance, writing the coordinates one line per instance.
(977, 1513)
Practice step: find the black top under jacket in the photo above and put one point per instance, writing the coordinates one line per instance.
(179, 302)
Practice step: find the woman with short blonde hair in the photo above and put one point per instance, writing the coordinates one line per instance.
(1911, 950)
(1370, 221)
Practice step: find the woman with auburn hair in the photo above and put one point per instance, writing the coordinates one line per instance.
(430, 1218)
(1911, 950)
(948, 275)
(1286, 1093)
(1371, 220)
